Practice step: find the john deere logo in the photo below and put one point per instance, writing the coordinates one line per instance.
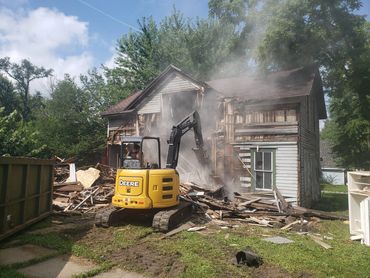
(129, 183)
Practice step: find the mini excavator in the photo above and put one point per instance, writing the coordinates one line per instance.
(145, 189)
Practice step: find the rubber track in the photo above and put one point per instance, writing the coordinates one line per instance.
(167, 220)
(104, 218)
(163, 221)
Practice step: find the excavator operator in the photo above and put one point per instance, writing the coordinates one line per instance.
(136, 152)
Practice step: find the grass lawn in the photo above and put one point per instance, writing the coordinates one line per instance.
(334, 188)
(210, 253)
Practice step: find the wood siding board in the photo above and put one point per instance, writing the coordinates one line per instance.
(179, 84)
(264, 131)
(309, 151)
(173, 84)
(152, 106)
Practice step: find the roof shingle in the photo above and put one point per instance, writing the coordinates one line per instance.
(121, 106)
(297, 82)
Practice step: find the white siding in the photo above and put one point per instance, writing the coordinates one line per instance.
(152, 106)
(287, 169)
(286, 159)
(179, 84)
(174, 85)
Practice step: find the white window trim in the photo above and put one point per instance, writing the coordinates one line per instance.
(264, 171)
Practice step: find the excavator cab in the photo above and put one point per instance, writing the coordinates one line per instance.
(139, 152)
(140, 182)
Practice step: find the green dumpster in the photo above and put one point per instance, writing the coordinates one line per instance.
(26, 190)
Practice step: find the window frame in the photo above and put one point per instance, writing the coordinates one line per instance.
(272, 151)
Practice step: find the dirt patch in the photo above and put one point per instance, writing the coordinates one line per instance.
(96, 235)
(275, 272)
(145, 258)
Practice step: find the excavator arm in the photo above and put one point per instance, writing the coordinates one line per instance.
(192, 121)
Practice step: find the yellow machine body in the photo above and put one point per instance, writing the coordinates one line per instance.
(146, 188)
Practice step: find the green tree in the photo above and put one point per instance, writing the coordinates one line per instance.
(331, 35)
(201, 48)
(296, 33)
(70, 124)
(137, 51)
(18, 138)
(23, 74)
(8, 97)
(105, 90)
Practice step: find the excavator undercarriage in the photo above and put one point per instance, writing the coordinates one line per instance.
(162, 220)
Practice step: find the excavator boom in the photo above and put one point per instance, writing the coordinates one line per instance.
(192, 121)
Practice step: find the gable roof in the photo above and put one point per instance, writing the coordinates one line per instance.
(283, 84)
(158, 80)
(132, 102)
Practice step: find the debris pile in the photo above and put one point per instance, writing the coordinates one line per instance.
(267, 209)
(91, 188)
(85, 190)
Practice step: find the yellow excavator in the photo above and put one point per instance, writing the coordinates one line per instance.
(144, 188)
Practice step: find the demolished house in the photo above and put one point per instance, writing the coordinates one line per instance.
(261, 132)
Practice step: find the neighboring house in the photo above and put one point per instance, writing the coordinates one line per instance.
(261, 132)
(330, 172)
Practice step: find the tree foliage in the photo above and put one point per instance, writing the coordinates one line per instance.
(18, 138)
(105, 89)
(23, 74)
(297, 33)
(70, 124)
(200, 48)
(9, 99)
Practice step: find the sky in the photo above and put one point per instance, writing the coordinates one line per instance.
(72, 36)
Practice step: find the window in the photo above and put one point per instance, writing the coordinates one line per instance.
(264, 169)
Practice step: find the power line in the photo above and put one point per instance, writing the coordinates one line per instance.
(108, 15)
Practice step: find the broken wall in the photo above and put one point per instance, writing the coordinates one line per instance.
(247, 130)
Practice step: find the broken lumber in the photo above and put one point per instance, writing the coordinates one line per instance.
(300, 211)
(286, 227)
(320, 242)
(284, 205)
(86, 198)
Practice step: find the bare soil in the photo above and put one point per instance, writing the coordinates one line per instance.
(142, 255)
(152, 262)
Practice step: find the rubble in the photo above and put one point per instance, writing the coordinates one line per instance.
(88, 177)
(265, 209)
(92, 189)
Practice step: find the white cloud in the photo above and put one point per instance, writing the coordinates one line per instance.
(47, 37)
